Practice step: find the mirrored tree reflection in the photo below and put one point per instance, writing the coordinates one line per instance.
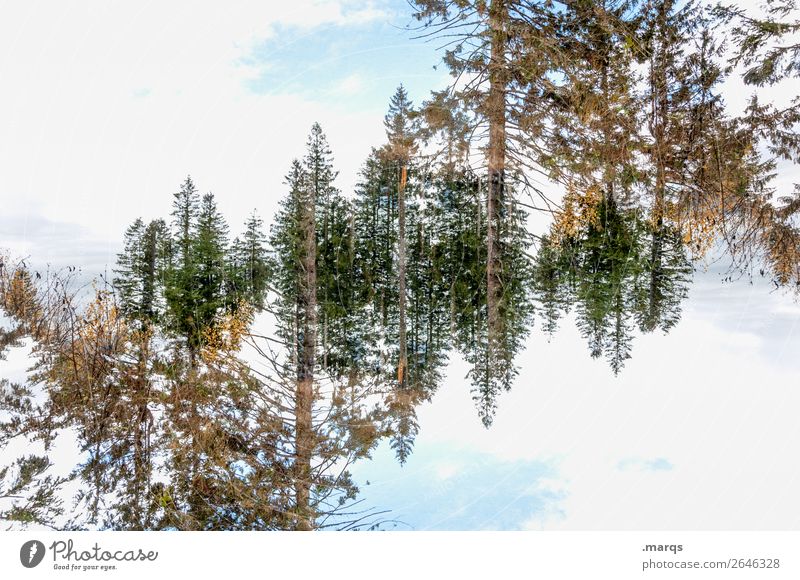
(618, 273)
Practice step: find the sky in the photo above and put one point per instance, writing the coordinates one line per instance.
(699, 431)
(105, 108)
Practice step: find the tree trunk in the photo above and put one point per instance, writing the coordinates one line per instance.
(402, 367)
(496, 114)
(141, 451)
(658, 82)
(304, 396)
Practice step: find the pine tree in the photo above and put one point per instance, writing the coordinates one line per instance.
(664, 284)
(760, 41)
(249, 276)
(318, 165)
(763, 233)
(375, 215)
(324, 370)
(181, 291)
(616, 270)
(295, 243)
(507, 49)
(285, 258)
(594, 137)
(553, 283)
(209, 248)
(184, 213)
(398, 152)
(399, 261)
(141, 269)
(494, 369)
(128, 281)
(458, 223)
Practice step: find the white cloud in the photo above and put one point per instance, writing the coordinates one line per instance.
(106, 106)
(706, 400)
(446, 470)
(350, 85)
(641, 464)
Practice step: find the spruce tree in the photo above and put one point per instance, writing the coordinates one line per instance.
(507, 48)
(209, 252)
(398, 152)
(181, 292)
(249, 276)
(141, 269)
(325, 372)
(331, 215)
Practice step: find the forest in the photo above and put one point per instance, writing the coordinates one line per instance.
(605, 116)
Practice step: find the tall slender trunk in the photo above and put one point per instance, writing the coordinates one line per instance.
(478, 234)
(325, 302)
(416, 325)
(402, 367)
(387, 249)
(304, 395)
(351, 290)
(660, 103)
(658, 112)
(608, 139)
(496, 114)
(141, 439)
(431, 310)
(149, 279)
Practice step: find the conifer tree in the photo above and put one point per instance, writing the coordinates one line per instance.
(209, 248)
(762, 232)
(764, 42)
(140, 271)
(307, 320)
(249, 277)
(594, 112)
(375, 215)
(318, 166)
(321, 404)
(458, 222)
(397, 257)
(181, 291)
(398, 152)
(505, 50)
(665, 281)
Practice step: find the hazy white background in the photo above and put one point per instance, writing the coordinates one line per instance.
(106, 106)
